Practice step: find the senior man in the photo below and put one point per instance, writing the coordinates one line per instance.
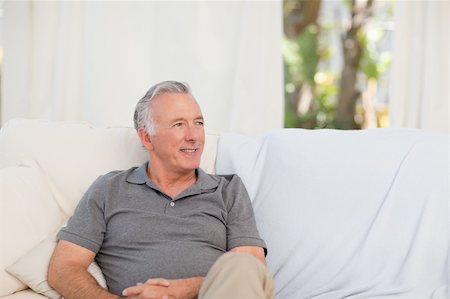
(165, 229)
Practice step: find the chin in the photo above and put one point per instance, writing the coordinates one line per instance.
(190, 167)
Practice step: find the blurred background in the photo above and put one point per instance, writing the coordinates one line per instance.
(254, 66)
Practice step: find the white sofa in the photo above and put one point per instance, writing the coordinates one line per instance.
(345, 214)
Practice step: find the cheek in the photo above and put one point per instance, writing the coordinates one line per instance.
(201, 136)
(172, 139)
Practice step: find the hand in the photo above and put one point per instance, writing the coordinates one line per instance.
(154, 288)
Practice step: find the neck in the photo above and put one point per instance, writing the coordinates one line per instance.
(171, 183)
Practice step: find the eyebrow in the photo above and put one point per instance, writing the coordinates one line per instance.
(181, 119)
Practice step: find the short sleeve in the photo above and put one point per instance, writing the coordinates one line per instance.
(241, 224)
(87, 226)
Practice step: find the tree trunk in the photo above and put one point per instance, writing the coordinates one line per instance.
(349, 93)
(298, 15)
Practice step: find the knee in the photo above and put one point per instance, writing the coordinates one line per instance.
(239, 261)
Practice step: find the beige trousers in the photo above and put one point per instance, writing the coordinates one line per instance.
(237, 276)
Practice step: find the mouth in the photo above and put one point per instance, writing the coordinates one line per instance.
(188, 150)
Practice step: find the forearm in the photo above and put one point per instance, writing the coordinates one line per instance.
(75, 282)
(185, 288)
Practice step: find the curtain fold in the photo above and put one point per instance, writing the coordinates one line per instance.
(419, 93)
(92, 61)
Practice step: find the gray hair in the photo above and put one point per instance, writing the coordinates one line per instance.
(143, 114)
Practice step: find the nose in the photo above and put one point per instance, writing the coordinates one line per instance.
(193, 132)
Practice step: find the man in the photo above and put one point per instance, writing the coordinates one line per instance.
(157, 230)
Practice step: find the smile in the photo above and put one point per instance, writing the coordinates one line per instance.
(189, 150)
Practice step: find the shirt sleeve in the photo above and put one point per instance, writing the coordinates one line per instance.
(87, 226)
(241, 224)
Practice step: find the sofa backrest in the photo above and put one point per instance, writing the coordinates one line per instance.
(73, 155)
(348, 214)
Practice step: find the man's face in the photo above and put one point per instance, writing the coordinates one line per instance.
(177, 144)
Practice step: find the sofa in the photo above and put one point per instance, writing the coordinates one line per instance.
(345, 214)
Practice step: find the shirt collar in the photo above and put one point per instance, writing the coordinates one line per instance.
(138, 175)
(204, 181)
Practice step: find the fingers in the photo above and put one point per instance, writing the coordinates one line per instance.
(147, 289)
(133, 291)
(158, 282)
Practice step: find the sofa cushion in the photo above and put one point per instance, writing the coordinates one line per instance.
(32, 268)
(73, 155)
(28, 214)
(25, 294)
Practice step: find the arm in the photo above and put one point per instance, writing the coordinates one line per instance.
(181, 288)
(242, 233)
(67, 273)
(256, 251)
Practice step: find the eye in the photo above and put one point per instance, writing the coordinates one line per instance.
(178, 124)
(199, 122)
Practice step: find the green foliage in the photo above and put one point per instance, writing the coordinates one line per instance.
(300, 56)
(293, 62)
(307, 69)
(348, 3)
(308, 51)
(373, 64)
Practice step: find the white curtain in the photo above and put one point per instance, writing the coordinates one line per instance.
(419, 92)
(92, 60)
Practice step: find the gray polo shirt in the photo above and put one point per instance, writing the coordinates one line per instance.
(138, 232)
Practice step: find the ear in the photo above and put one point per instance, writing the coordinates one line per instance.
(145, 139)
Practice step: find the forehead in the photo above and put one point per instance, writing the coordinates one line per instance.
(174, 105)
